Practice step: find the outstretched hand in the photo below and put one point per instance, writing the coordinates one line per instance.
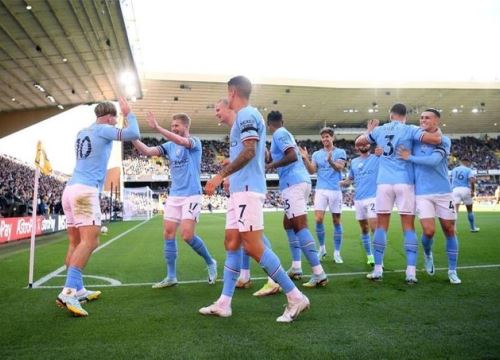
(303, 152)
(372, 124)
(124, 106)
(151, 119)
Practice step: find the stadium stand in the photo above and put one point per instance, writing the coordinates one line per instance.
(16, 178)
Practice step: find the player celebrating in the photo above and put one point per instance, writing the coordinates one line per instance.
(463, 183)
(227, 116)
(328, 163)
(363, 171)
(80, 199)
(183, 204)
(295, 187)
(244, 218)
(395, 184)
(433, 193)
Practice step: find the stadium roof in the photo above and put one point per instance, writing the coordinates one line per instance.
(308, 106)
(59, 53)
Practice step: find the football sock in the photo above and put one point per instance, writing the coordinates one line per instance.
(231, 271)
(199, 247)
(294, 244)
(320, 233)
(427, 244)
(337, 236)
(411, 246)
(170, 251)
(470, 217)
(365, 240)
(73, 277)
(308, 246)
(452, 251)
(271, 265)
(379, 241)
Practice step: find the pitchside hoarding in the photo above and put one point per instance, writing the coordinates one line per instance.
(20, 227)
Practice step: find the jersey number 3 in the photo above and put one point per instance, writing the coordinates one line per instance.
(389, 148)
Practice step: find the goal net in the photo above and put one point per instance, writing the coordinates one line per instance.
(137, 203)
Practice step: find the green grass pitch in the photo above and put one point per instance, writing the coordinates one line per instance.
(351, 318)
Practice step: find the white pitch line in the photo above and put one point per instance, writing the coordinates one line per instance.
(264, 278)
(56, 272)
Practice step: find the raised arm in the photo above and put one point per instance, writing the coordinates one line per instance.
(364, 140)
(128, 133)
(146, 150)
(434, 138)
(169, 135)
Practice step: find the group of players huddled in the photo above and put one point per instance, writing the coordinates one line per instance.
(409, 169)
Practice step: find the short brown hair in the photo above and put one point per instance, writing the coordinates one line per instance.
(184, 118)
(327, 130)
(105, 108)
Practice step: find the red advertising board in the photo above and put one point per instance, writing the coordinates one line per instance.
(18, 228)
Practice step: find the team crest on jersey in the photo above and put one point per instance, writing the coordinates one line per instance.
(178, 151)
(360, 165)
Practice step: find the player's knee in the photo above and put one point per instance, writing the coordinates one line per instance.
(187, 235)
(449, 229)
(428, 231)
(167, 234)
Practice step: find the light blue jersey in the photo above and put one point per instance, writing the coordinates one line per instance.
(248, 125)
(390, 136)
(93, 148)
(294, 173)
(431, 167)
(364, 172)
(460, 176)
(184, 167)
(328, 177)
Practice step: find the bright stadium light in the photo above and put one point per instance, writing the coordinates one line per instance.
(127, 78)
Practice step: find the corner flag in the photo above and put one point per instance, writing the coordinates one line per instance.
(43, 166)
(41, 160)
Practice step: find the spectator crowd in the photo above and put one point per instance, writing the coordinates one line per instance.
(16, 178)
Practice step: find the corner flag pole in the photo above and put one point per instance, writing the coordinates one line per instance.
(33, 228)
(42, 164)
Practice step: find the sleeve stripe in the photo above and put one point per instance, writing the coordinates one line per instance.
(421, 136)
(288, 147)
(119, 135)
(370, 138)
(160, 149)
(249, 128)
(250, 138)
(441, 151)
